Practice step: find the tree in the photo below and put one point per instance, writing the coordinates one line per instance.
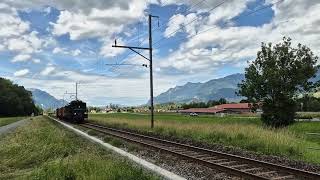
(222, 101)
(308, 103)
(15, 100)
(276, 77)
(244, 101)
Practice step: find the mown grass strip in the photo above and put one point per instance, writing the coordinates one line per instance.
(42, 150)
(8, 120)
(247, 133)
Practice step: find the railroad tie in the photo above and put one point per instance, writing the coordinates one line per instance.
(240, 165)
(193, 154)
(209, 158)
(228, 162)
(251, 169)
(183, 151)
(265, 173)
(200, 156)
(283, 177)
(218, 160)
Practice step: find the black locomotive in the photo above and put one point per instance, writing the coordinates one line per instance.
(75, 112)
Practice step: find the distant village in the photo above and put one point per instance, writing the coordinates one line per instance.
(193, 108)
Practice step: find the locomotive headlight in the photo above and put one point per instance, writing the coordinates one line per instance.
(75, 113)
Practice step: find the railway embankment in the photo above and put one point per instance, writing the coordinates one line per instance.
(43, 150)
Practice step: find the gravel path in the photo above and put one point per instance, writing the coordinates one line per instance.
(10, 127)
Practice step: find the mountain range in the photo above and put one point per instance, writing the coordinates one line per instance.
(214, 89)
(45, 100)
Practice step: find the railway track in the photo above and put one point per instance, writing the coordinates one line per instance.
(228, 163)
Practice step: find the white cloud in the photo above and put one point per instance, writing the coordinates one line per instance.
(76, 52)
(108, 51)
(37, 61)
(179, 19)
(2, 47)
(15, 33)
(73, 5)
(92, 88)
(233, 45)
(57, 50)
(98, 21)
(47, 10)
(21, 73)
(198, 56)
(21, 58)
(47, 71)
(11, 24)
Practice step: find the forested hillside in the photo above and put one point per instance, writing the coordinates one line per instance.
(15, 100)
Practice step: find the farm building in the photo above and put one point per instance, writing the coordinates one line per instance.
(237, 108)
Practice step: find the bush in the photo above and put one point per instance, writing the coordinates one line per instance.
(278, 114)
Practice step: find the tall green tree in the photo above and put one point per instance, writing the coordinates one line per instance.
(276, 77)
(15, 100)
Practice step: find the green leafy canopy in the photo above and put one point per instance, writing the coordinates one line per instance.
(276, 76)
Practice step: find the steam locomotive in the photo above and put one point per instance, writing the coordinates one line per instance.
(74, 112)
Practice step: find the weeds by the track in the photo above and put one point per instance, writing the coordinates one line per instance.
(247, 133)
(43, 150)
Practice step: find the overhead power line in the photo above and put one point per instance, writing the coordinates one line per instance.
(193, 20)
(228, 21)
(186, 10)
(192, 6)
(170, 19)
(158, 43)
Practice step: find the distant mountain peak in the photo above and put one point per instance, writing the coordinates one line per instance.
(196, 91)
(45, 100)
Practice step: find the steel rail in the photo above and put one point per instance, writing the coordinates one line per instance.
(222, 161)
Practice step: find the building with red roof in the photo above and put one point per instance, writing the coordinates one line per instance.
(238, 108)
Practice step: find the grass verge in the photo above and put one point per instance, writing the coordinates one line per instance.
(246, 133)
(43, 150)
(8, 120)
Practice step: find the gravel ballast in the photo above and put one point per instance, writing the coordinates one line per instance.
(192, 170)
(240, 152)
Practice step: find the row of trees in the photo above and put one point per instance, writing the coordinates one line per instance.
(15, 100)
(210, 103)
(308, 104)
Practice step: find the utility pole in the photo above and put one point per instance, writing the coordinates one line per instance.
(76, 91)
(134, 49)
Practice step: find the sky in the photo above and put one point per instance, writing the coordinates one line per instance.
(51, 45)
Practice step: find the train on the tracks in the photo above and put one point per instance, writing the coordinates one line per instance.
(75, 112)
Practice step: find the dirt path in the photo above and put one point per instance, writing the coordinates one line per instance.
(10, 127)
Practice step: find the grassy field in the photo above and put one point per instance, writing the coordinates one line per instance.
(43, 150)
(9, 120)
(244, 132)
(308, 115)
